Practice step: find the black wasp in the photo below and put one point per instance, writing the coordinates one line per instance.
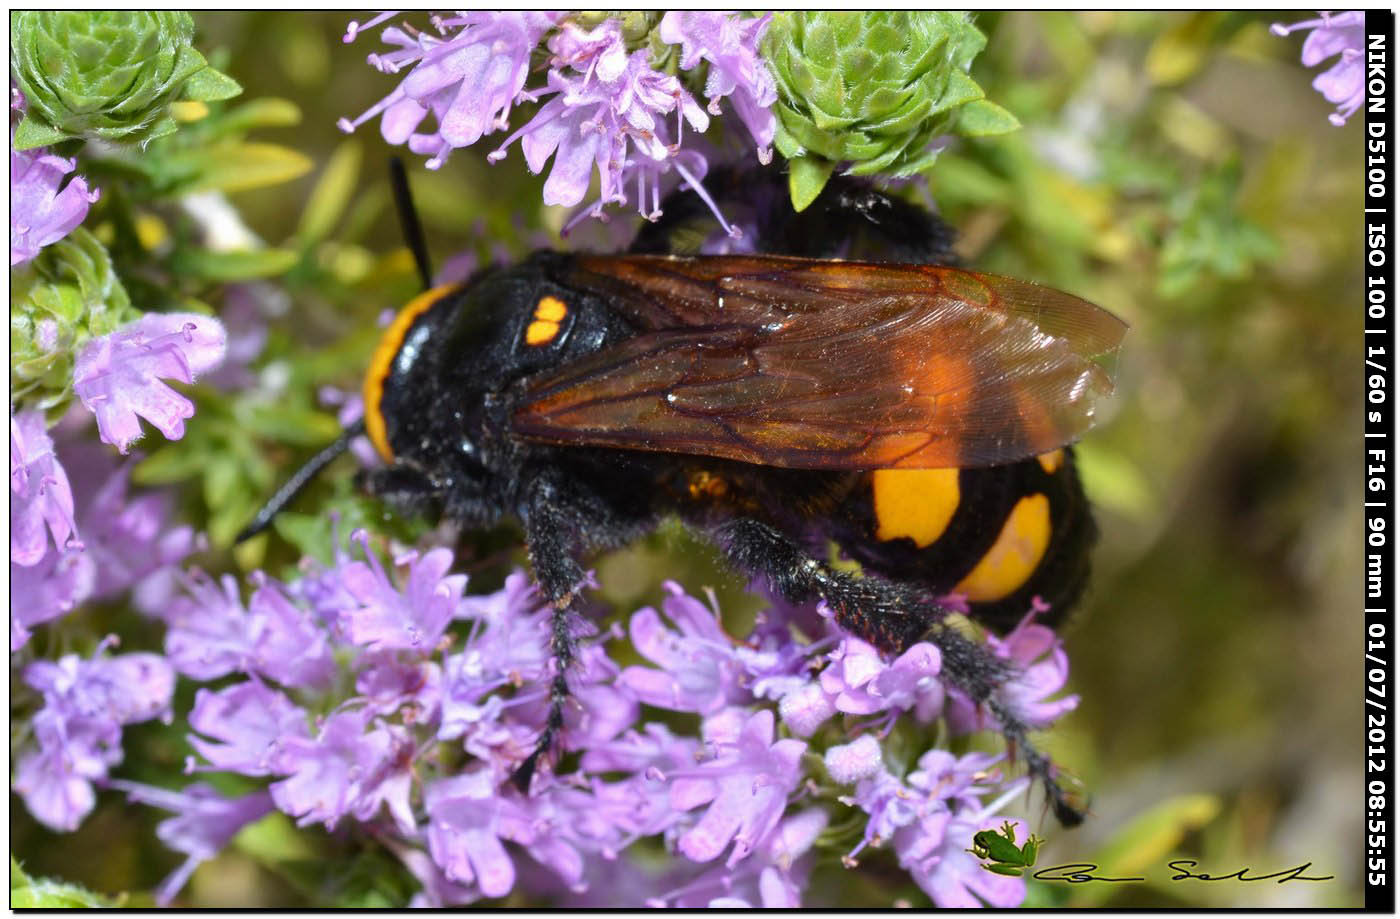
(843, 382)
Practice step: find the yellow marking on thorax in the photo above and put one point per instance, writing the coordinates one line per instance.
(383, 360)
(1052, 461)
(917, 503)
(1014, 556)
(549, 313)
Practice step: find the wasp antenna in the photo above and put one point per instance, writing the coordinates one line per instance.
(299, 480)
(408, 220)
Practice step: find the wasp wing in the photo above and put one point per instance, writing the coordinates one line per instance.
(827, 365)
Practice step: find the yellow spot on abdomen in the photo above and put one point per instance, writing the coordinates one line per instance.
(1052, 461)
(916, 503)
(549, 312)
(383, 359)
(1014, 556)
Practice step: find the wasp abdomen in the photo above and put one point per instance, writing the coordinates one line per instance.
(998, 536)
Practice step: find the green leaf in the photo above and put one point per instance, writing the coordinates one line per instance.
(1115, 481)
(289, 424)
(33, 133)
(983, 118)
(36, 893)
(273, 839)
(257, 113)
(1179, 52)
(233, 167)
(807, 178)
(1147, 841)
(226, 522)
(221, 478)
(168, 464)
(234, 266)
(332, 193)
(209, 85)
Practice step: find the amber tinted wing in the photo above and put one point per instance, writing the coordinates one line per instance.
(828, 365)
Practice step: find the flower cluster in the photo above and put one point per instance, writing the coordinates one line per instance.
(77, 732)
(610, 111)
(1342, 35)
(451, 692)
(72, 544)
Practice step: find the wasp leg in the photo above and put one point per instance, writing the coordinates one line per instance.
(551, 533)
(892, 617)
(970, 667)
(887, 615)
(401, 486)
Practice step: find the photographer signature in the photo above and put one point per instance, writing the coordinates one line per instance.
(1083, 873)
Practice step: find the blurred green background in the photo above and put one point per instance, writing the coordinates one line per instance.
(1177, 169)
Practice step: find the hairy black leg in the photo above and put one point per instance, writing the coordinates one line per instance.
(892, 617)
(402, 486)
(970, 667)
(552, 534)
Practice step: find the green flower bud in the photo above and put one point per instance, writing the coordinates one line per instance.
(65, 296)
(873, 89)
(106, 74)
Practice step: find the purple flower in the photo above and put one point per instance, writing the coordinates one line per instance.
(602, 706)
(468, 80)
(608, 107)
(48, 590)
(130, 539)
(927, 816)
(245, 312)
(699, 671)
(467, 819)
(206, 634)
(41, 214)
(511, 636)
(413, 620)
(1042, 670)
(118, 376)
(961, 780)
(287, 644)
(611, 118)
(211, 634)
(655, 750)
(859, 759)
(746, 785)
(246, 726)
(1344, 84)
(78, 731)
(805, 709)
(205, 823)
(773, 877)
(390, 683)
(729, 42)
(438, 891)
(860, 682)
(41, 501)
(890, 804)
(935, 852)
(348, 768)
(55, 781)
